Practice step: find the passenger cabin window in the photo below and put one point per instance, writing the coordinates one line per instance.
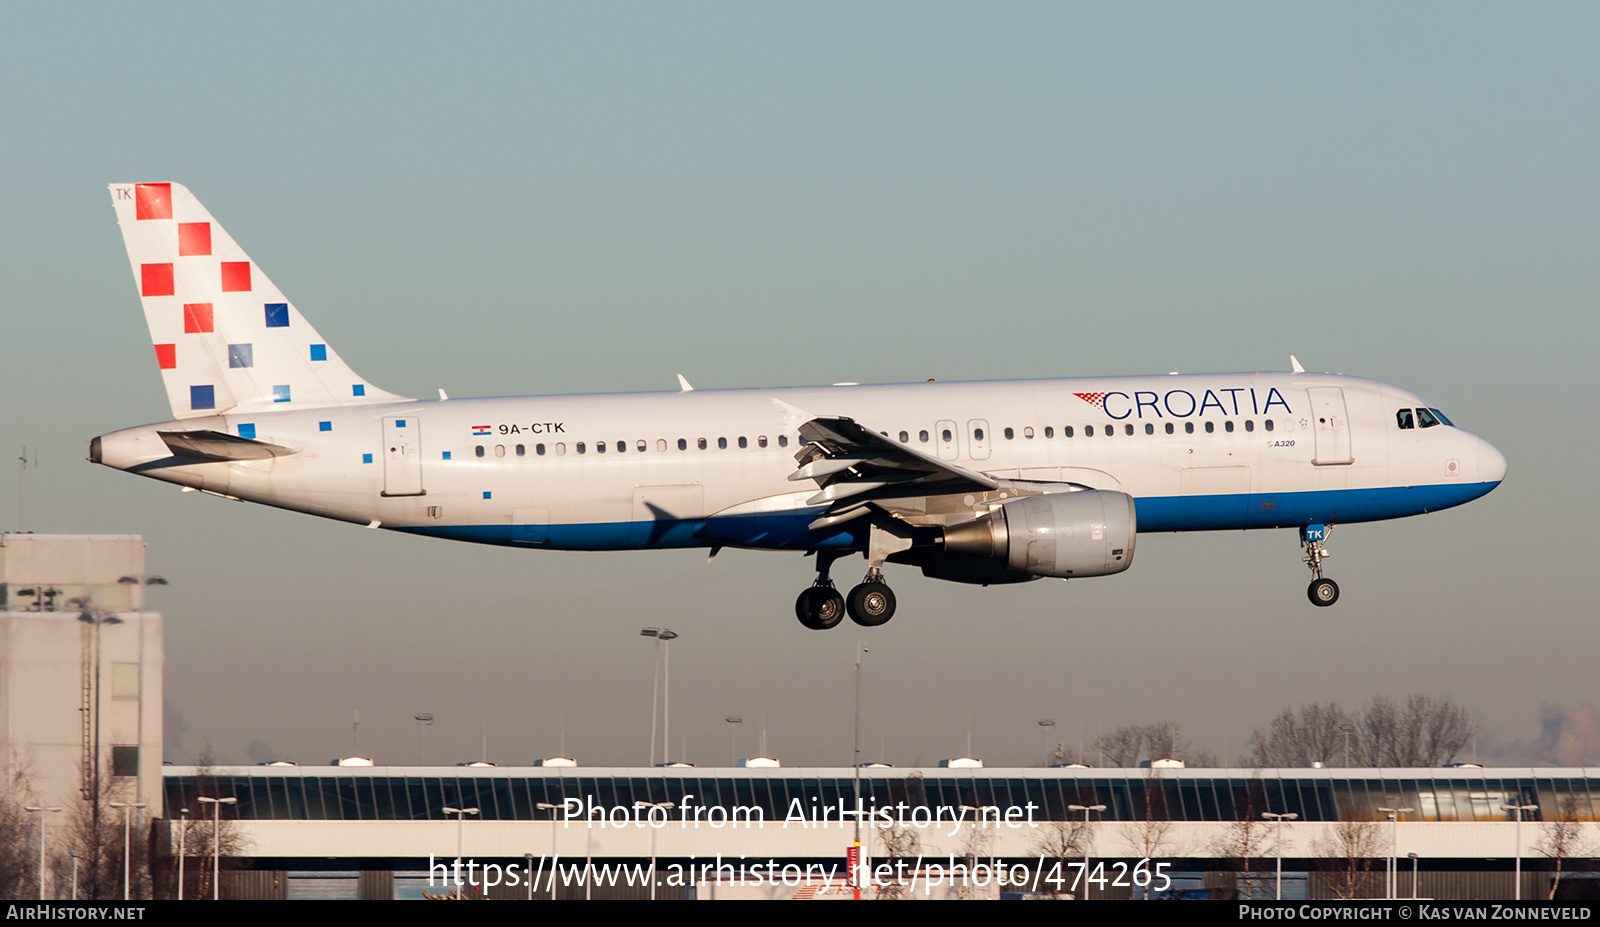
(522, 450)
(599, 447)
(702, 444)
(499, 450)
(1267, 424)
(661, 444)
(1010, 435)
(1249, 425)
(1149, 429)
(722, 443)
(743, 442)
(1211, 427)
(783, 440)
(1088, 431)
(1188, 428)
(1403, 418)
(580, 447)
(683, 444)
(1228, 426)
(923, 436)
(539, 449)
(946, 435)
(904, 437)
(1111, 431)
(1066, 431)
(1169, 428)
(561, 448)
(478, 450)
(643, 446)
(1128, 428)
(1049, 431)
(761, 440)
(622, 447)
(977, 434)
(1027, 432)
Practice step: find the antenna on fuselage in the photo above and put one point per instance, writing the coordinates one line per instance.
(1294, 365)
(683, 384)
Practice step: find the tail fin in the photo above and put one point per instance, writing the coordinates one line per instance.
(226, 339)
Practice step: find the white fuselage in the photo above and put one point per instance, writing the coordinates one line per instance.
(711, 467)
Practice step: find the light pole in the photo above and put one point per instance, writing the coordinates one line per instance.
(461, 826)
(41, 812)
(1517, 810)
(126, 870)
(216, 844)
(662, 637)
(1413, 875)
(75, 857)
(546, 806)
(650, 805)
(733, 738)
(1394, 841)
(1047, 726)
(183, 832)
(1347, 729)
(424, 720)
(1086, 841)
(855, 849)
(1278, 843)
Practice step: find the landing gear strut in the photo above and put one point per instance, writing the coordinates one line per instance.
(821, 606)
(1322, 592)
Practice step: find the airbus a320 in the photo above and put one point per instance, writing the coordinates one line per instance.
(983, 482)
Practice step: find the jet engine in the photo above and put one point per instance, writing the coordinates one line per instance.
(1067, 534)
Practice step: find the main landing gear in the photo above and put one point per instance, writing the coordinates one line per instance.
(870, 604)
(1322, 592)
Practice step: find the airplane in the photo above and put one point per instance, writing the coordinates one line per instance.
(981, 482)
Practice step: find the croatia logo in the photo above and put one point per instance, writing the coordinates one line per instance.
(1094, 399)
(480, 429)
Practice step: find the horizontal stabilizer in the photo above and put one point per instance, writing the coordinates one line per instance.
(216, 446)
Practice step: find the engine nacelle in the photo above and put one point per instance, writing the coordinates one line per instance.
(1065, 534)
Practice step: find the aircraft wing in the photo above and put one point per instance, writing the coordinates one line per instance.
(854, 465)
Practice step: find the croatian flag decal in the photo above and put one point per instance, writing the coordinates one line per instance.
(1094, 399)
(480, 429)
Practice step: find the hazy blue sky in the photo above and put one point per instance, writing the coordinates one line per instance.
(526, 198)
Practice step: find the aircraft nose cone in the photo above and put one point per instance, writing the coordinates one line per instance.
(1491, 463)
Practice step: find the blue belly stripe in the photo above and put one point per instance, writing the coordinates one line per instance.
(787, 530)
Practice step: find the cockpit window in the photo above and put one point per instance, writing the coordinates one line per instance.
(1440, 416)
(1403, 417)
(1425, 419)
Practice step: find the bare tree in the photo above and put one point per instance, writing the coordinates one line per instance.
(1151, 838)
(1160, 740)
(1351, 848)
(16, 839)
(1059, 844)
(1248, 837)
(1563, 839)
(1121, 747)
(96, 831)
(1314, 734)
(1426, 732)
(206, 834)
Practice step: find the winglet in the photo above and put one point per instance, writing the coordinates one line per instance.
(1294, 365)
(683, 384)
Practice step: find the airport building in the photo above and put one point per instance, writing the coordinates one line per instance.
(1215, 832)
(80, 672)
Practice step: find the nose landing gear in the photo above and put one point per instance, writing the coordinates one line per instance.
(1313, 538)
